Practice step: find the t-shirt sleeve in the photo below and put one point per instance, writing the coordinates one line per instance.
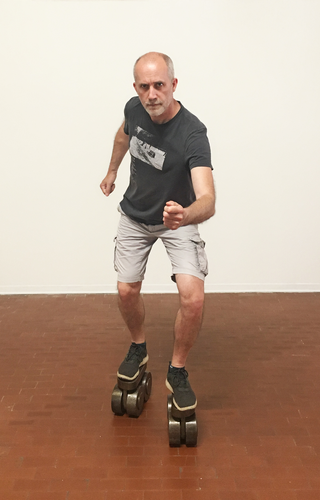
(126, 124)
(198, 149)
(130, 108)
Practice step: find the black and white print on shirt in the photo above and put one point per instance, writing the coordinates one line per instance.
(141, 147)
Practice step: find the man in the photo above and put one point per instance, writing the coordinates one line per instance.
(171, 190)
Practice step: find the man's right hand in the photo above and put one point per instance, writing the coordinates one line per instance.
(107, 185)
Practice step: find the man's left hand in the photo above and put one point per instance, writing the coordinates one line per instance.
(173, 215)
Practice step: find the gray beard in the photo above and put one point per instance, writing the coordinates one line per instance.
(156, 112)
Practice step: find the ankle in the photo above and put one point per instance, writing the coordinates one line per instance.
(173, 368)
(141, 344)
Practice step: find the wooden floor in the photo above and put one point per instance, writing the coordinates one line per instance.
(255, 370)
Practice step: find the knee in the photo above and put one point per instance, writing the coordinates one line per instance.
(128, 292)
(193, 303)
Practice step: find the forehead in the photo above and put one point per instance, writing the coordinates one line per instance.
(151, 70)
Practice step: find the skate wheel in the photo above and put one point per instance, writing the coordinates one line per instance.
(191, 429)
(117, 401)
(174, 426)
(135, 402)
(147, 384)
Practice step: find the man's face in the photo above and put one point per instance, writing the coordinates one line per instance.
(155, 88)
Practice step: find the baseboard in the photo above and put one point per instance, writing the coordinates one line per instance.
(169, 288)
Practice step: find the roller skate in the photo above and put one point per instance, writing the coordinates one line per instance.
(182, 422)
(134, 383)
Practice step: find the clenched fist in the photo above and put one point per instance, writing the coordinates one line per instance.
(173, 215)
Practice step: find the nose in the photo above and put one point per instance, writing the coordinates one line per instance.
(152, 93)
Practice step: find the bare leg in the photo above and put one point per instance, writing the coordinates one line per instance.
(131, 307)
(189, 317)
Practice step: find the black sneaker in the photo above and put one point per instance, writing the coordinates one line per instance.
(177, 382)
(136, 357)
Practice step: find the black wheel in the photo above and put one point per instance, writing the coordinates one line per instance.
(174, 427)
(191, 430)
(135, 402)
(117, 401)
(147, 384)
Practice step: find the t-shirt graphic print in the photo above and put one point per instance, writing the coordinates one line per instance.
(141, 148)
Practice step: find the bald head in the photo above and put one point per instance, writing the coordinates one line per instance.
(155, 85)
(154, 57)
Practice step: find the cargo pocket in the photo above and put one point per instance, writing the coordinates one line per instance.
(201, 255)
(114, 254)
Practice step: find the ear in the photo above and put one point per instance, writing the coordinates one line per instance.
(174, 84)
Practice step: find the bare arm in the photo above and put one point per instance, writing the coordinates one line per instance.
(174, 215)
(120, 147)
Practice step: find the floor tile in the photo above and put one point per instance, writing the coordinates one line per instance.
(255, 369)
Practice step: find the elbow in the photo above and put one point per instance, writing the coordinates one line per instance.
(212, 212)
(213, 207)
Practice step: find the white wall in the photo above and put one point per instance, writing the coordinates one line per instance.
(250, 70)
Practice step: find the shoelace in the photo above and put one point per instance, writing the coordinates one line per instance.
(133, 352)
(180, 377)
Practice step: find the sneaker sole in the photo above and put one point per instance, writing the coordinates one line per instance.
(185, 408)
(125, 377)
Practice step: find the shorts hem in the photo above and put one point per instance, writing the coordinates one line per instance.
(123, 280)
(199, 275)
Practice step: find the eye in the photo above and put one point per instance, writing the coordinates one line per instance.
(159, 84)
(143, 86)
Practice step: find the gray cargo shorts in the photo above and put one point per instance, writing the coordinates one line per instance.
(134, 241)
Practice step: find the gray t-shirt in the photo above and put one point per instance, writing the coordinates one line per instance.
(162, 157)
